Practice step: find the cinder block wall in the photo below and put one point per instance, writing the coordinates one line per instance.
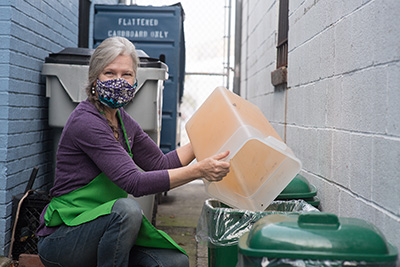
(259, 60)
(29, 31)
(340, 113)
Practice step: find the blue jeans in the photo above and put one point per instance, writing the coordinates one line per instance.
(106, 241)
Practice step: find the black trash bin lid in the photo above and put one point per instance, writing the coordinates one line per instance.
(81, 56)
(71, 55)
(317, 236)
(148, 62)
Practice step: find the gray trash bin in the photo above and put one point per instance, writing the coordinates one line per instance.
(66, 77)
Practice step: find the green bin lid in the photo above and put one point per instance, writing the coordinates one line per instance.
(298, 188)
(316, 236)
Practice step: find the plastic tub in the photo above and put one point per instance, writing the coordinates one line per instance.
(262, 165)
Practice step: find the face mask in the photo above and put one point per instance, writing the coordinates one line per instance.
(115, 93)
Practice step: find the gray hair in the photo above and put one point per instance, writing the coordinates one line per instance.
(105, 53)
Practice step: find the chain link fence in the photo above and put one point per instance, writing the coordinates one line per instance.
(208, 48)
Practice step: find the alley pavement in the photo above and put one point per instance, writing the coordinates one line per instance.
(178, 214)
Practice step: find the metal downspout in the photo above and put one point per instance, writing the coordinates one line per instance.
(238, 46)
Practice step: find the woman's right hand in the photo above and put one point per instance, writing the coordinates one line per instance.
(213, 169)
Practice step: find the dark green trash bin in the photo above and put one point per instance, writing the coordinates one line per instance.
(220, 227)
(300, 188)
(314, 239)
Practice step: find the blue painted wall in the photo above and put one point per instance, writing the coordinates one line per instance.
(29, 31)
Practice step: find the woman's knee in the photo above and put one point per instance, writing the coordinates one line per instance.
(181, 260)
(129, 209)
(147, 256)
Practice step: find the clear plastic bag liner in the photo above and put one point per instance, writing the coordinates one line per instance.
(265, 262)
(223, 226)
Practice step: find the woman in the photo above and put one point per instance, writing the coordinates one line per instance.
(90, 221)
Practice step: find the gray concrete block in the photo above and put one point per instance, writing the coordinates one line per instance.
(341, 164)
(349, 205)
(309, 139)
(305, 22)
(329, 203)
(385, 17)
(294, 5)
(295, 105)
(259, 84)
(361, 165)
(368, 212)
(326, 53)
(324, 160)
(393, 98)
(363, 103)
(343, 46)
(304, 64)
(363, 36)
(277, 106)
(315, 103)
(293, 141)
(342, 9)
(334, 103)
(294, 71)
(385, 173)
(312, 59)
(326, 190)
(263, 103)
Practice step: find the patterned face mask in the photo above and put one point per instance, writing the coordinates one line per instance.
(115, 93)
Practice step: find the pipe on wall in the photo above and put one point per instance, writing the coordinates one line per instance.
(238, 46)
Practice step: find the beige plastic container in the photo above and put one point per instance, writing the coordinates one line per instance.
(262, 165)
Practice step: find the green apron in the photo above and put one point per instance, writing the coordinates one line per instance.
(96, 199)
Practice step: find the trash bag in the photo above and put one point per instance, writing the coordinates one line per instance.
(223, 226)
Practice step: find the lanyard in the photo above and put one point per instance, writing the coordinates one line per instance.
(125, 135)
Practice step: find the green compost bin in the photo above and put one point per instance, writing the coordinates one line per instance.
(314, 239)
(300, 188)
(221, 226)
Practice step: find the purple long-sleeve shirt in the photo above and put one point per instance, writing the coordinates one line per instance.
(87, 148)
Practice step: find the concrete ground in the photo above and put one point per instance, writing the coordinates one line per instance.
(5, 262)
(178, 214)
